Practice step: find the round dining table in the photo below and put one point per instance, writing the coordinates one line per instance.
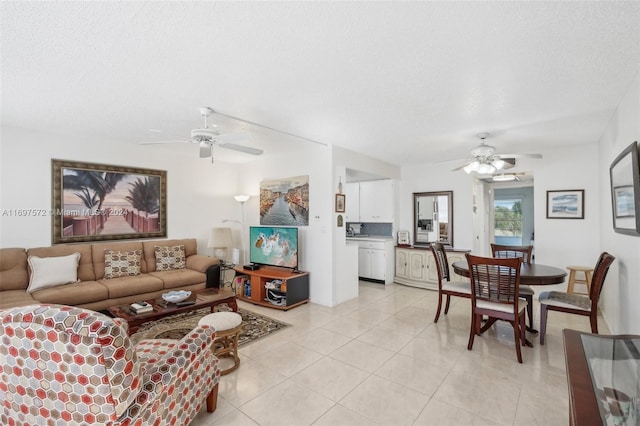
(530, 274)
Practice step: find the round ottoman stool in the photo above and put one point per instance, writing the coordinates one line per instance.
(228, 326)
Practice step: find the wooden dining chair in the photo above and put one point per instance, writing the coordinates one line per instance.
(445, 286)
(577, 303)
(495, 285)
(526, 254)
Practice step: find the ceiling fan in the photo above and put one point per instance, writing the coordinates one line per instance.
(485, 161)
(208, 136)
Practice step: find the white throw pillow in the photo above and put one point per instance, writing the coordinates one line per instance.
(52, 271)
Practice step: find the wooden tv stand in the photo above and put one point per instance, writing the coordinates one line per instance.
(296, 284)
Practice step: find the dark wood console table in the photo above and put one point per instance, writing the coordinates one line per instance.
(603, 375)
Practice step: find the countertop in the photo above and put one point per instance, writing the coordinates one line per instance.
(370, 238)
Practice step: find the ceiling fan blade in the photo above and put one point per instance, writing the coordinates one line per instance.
(503, 156)
(205, 150)
(162, 142)
(460, 167)
(241, 148)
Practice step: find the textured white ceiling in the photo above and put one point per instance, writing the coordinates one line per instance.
(406, 82)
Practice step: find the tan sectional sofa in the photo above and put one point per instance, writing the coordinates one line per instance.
(93, 291)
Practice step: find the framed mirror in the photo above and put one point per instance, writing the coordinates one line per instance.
(625, 191)
(433, 218)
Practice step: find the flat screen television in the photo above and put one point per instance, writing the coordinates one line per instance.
(274, 246)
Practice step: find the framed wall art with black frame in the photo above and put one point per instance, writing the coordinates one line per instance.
(565, 204)
(625, 191)
(100, 202)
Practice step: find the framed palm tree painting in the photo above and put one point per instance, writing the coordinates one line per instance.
(97, 202)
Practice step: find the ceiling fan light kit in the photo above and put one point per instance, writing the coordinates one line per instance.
(504, 177)
(486, 161)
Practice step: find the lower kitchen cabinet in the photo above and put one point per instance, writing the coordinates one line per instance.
(416, 266)
(376, 260)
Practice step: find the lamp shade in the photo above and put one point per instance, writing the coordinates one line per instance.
(241, 198)
(220, 241)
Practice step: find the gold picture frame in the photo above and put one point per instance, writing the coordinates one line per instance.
(101, 202)
(340, 203)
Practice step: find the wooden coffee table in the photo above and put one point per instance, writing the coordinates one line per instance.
(208, 297)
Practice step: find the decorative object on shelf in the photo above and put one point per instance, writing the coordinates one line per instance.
(565, 204)
(404, 239)
(285, 202)
(176, 296)
(85, 207)
(220, 241)
(625, 191)
(340, 203)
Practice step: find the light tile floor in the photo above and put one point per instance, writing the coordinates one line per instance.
(381, 360)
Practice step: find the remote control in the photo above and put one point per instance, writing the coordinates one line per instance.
(186, 303)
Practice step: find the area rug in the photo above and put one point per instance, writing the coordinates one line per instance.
(254, 326)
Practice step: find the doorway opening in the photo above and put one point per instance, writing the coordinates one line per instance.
(504, 213)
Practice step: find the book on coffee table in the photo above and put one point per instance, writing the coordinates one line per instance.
(141, 307)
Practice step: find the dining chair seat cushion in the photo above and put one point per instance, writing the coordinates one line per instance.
(457, 287)
(501, 307)
(565, 300)
(526, 290)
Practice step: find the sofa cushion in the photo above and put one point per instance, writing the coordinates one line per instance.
(122, 263)
(11, 298)
(52, 271)
(170, 257)
(75, 294)
(13, 269)
(180, 277)
(98, 255)
(85, 267)
(129, 286)
(149, 253)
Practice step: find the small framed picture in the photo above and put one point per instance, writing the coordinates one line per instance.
(340, 203)
(568, 204)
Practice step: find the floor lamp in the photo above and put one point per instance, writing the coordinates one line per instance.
(241, 199)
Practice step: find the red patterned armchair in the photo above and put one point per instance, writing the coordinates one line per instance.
(61, 365)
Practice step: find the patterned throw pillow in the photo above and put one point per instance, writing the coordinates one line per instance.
(169, 258)
(122, 263)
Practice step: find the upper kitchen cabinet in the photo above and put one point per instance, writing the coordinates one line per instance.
(377, 201)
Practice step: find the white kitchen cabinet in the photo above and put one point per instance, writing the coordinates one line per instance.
(376, 260)
(377, 201)
(417, 267)
(352, 202)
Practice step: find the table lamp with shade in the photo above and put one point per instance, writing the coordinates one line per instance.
(220, 240)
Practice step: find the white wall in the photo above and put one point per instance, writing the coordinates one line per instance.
(315, 245)
(621, 294)
(199, 194)
(558, 242)
(345, 258)
(439, 177)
